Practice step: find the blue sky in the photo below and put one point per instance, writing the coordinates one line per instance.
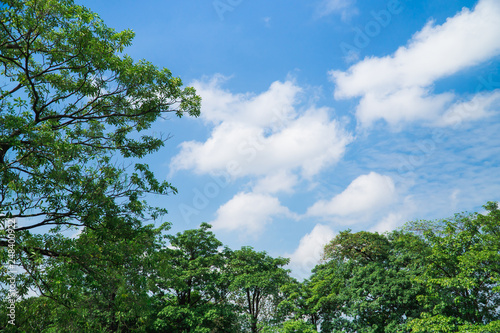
(323, 115)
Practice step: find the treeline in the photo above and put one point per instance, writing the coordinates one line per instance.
(430, 276)
(132, 279)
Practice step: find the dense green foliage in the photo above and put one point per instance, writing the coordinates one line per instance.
(70, 102)
(430, 276)
(72, 106)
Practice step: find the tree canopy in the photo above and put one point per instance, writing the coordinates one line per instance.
(430, 276)
(71, 101)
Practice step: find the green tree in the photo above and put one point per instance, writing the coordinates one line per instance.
(97, 282)
(367, 283)
(70, 102)
(462, 273)
(257, 282)
(73, 110)
(323, 303)
(192, 284)
(430, 276)
(299, 302)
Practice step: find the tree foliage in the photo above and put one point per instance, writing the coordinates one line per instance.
(70, 102)
(72, 106)
(191, 284)
(136, 279)
(462, 275)
(257, 281)
(431, 276)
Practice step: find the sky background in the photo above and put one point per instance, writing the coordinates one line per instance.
(323, 115)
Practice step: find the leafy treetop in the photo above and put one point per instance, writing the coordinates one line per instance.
(70, 101)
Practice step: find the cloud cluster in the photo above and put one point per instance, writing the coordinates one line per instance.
(249, 213)
(398, 88)
(262, 135)
(270, 137)
(276, 142)
(364, 194)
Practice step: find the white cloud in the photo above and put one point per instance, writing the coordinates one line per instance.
(366, 193)
(345, 8)
(389, 223)
(480, 106)
(270, 107)
(404, 105)
(397, 88)
(249, 213)
(310, 250)
(281, 181)
(271, 138)
(260, 135)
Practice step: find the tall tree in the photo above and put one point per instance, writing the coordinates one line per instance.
(191, 284)
(462, 273)
(73, 109)
(257, 279)
(70, 102)
(367, 283)
(71, 105)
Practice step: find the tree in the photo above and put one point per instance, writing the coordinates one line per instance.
(70, 103)
(72, 106)
(431, 276)
(73, 110)
(361, 247)
(324, 305)
(257, 278)
(462, 273)
(382, 295)
(297, 304)
(191, 286)
(366, 283)
(96, 282)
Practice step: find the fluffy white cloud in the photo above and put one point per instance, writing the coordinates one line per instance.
(403, 105)
(396, 88)
(310, 249)
(269, 137)
(269, 108)
(249, 213)
(281, 181)
(366, 193)
(259, 135)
